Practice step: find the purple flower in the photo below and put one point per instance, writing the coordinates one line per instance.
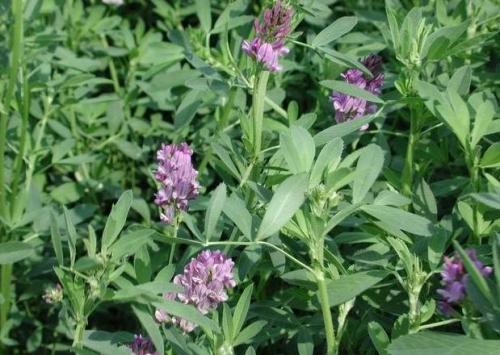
(205, 282)
(269, 42)
(142, 346)
(177, 178)
(454, 278)
(350, 107)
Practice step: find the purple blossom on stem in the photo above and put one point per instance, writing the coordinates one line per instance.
(269, 42)
(350, 107)
(454, 278)
(142, 346)
(177, 177)
(205, 282)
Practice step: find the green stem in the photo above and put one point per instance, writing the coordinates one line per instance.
(15, 49)
(5, 275)
(78, 336)
(38, 142)
(331, 345)
(408, 171)
(112, 68)
(259, 94)
(172, 249)
(18, 163)
(438, 324)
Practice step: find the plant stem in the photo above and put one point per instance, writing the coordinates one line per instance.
(408, 171)
(331, 346)
(172, 249)
(78, 336)
(6, 274)
(438, 324)
(18, 163)
(259, 94)
(15, 50)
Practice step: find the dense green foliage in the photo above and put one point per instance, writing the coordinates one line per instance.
(337, 233)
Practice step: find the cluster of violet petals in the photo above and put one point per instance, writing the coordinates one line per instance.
(205, 281)
(142, 346)
(350, 107)
(177, 178)
(269, 42)
(454, 278)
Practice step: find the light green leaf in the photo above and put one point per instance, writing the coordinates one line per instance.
(287, 199)
(489, 199)
(336, 30)
(297, 147)
(342, 129)
(436, 343)
(107, 343)
(241, 310)
(379, 337)
(237, 212)
(214, 210)
(484, 117)
(349, 286)
(56, 239)
(460, 81)
(249, 332)
(12, 252)
(130, 242)
(150, 326)
(329, 157)
(491, 158)
(116, 220)
(203, 11)
(70, 229)
(351, 89)
(400, 219)
(187, 312)
(369, 166)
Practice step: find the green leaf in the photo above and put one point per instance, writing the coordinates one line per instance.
(107, 343)
(187, 312)
(70, 229)
(12, 252)
(349, 286)
(460, 81)
(297, 147)
(203, 11)
(235, 209)
(400, 219)
(484, 117)
(379, 337)
(329, 157)
(130, 242)
(214, 210)
(56, 239)
(474, 273)
(342, 129)
(489, 199)
(241, 310)
(491, 158)
(369, 166)
(336, 30)
(227, 323)
(340, 216)
(247, 334)
(287, 199)
(305, 342)
(145, 316)
(437, 343)
(351, 90)
(116, 220)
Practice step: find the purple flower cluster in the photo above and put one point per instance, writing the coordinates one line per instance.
(454, 278)
(142, 346)
(269, 42)
(205, 280)
(177, 177)
(350, 107)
